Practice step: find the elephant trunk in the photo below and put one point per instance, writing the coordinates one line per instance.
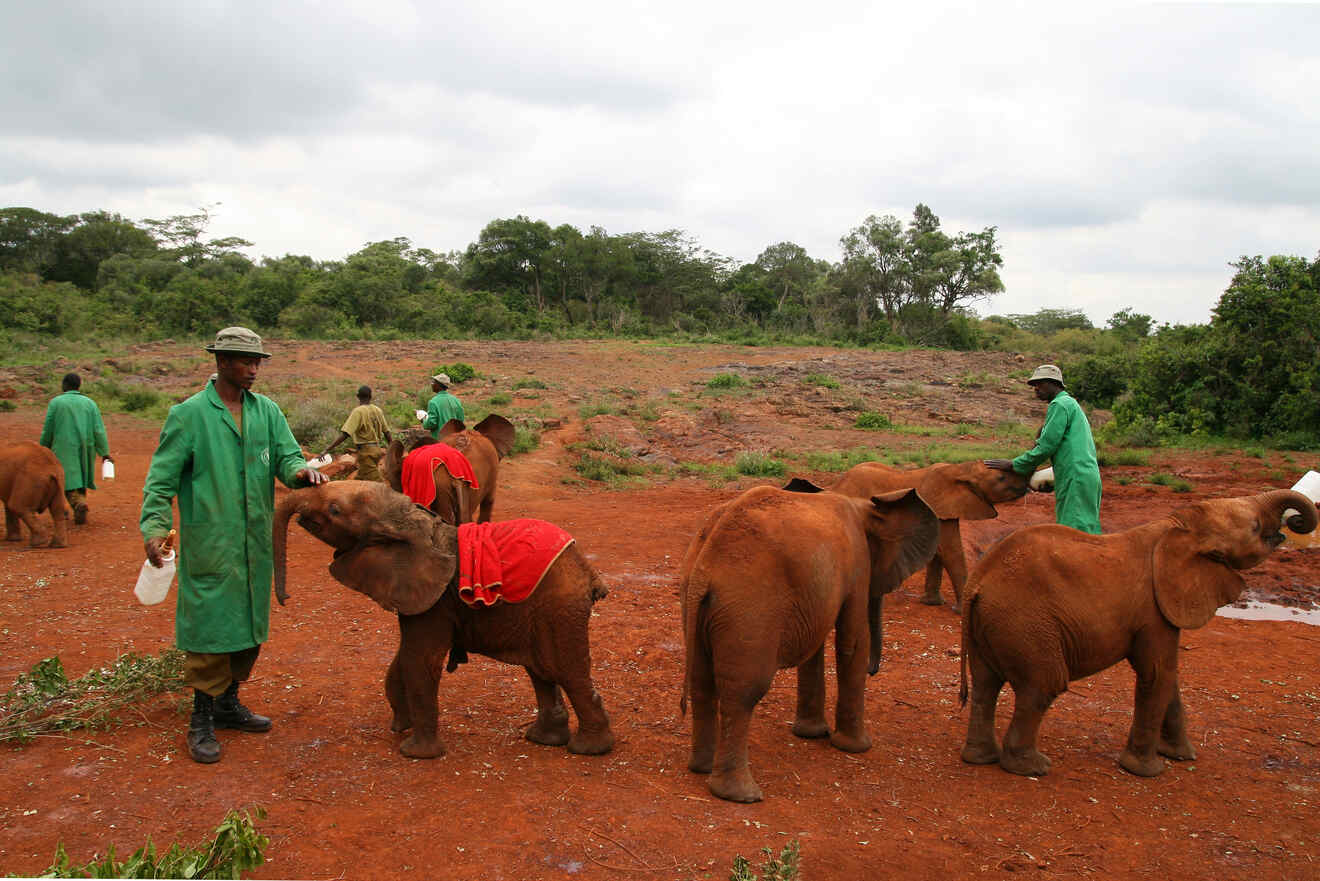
(1293, 508)
(290, 505)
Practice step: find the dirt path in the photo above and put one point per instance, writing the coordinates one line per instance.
(343, 803)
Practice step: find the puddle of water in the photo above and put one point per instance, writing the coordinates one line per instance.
(1271, 612)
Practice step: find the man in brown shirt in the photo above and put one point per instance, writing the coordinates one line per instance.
(369, 431)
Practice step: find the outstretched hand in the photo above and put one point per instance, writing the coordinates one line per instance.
(312, 476)
(999, 464)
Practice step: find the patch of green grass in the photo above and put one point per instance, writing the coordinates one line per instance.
(872, 421)
(599, 407)
(977, 379)
(821, 379)
(529, 383)
(1177, 484)
(650, 411)
(1107, 457)
(1122, 480)
(7, 405)
(966, 429)
(1254, 452)
(715, 472)
(458, 372)
(499, 399)
(841, 460)
(605, 469)
(525, 439)
(784, 867)
(726, 382)
(946, 452)
(235, 848)
(759, 465)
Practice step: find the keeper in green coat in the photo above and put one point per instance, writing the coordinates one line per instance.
(1066, 441)
(442, 407)
(74, 432)
(219, 454)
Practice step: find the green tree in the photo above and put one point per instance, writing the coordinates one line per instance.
(30, 239)
(876, 269)
(98, 236)
(1129, 325)
(509, 254)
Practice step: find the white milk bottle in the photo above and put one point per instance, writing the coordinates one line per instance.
(154, 583)
(107, 469)
(1308, 486)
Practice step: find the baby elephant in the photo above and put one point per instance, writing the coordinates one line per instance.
(406, 559)
(1049, 605)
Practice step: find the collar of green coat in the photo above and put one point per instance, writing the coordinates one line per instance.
(73, 391)
(216, 401)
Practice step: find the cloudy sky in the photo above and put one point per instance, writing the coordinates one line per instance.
(1126, 153)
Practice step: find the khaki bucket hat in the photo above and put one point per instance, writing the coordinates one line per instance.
(1046, 371)
(442, 378)
(237, 341)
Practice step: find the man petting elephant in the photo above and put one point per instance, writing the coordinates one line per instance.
(761, 585)
(1049, 604)
(519, 591)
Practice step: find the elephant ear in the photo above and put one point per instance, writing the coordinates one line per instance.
(954, 497)
(499, 431)
(405, 568)
(449, 429)
(393, 469)
(904, 534)
(802, 485)
(1190, 583)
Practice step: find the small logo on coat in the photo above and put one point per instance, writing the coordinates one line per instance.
(265, 456)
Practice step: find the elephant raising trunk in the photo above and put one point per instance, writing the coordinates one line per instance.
(1293, 509)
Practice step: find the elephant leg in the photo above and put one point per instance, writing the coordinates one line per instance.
(12, 530)
(1019, 754)
(593, 736)
(397, 697)
(705, 708)
(850, 661)
(934, 575)
(954, 560)
(875, 621)
(730, 777)
(486, 507)
(810, 719)
(1154, 692)
(36, 537)
(551, 725)
(1174, 742)
(980, 747)
(421, 652)
(59, 518)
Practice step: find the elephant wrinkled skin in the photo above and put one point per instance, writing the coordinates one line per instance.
(406, 560)
(32, 481)
(484, 445)
(1049, 605)
(766, 578)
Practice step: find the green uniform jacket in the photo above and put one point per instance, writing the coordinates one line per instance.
(442, 408)
(75, 433)
(226, 490)
(1066, 440)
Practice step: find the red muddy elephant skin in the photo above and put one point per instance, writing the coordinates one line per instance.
(967, 491)
(1049, 604)
(762, 584)
(484, 445)
(31, 482)
(406, 560)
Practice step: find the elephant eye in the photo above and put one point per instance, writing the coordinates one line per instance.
(334, 508)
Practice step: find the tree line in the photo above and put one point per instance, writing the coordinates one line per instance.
(520, 277)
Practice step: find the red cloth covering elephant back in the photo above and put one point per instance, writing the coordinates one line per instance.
(419, 470)
(506, 560)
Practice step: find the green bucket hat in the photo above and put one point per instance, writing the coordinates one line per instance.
(237, 341)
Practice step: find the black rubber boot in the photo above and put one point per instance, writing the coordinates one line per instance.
(229, 713)
(202, 745)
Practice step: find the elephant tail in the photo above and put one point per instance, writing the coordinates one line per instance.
(599, 589)
(53, 496)
(969, 607)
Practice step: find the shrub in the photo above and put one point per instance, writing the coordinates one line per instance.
(759, 465)
(821, 379)
(315, 421)
(499, 399)
(726, 381)
(458, 372)
(525, 439)
(529, 383)
(872, 421)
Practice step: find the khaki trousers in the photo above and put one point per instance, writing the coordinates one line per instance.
(212, 673)
(368, 462)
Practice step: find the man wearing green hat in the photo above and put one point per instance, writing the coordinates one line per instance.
(442, 407)
(219, 454)
(1066, 440)
(74, 432)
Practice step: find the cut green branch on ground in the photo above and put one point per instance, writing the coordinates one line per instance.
(45, 701)
(784, 867)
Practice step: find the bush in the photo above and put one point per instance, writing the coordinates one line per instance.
(821, 379)
(726, 381)
(872, 421)
(529, 383)
(315, 421)
(499, 399)
(458, 372)
(759, 465)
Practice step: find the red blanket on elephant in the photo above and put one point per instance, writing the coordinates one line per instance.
(506, 560)
(419, 471)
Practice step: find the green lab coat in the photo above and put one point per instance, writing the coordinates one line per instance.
(1066, 440)
(75, 433)
(442, 408)
(226, 490)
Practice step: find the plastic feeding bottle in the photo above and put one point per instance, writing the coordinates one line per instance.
(154, 583)
(1308, 486)
(107, 469)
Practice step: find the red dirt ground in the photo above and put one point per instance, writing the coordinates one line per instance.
(342, 802)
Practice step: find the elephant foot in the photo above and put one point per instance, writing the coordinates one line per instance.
(735, 786)
(13, 536)
(56, 543)
(1150, 766)
(850, 743)
(591, 744)
(549, 731)
(701, 761)
(1028, 763)
(975, 753)
(932, 600)
(1180, 750)
(417, 748)
(811, 728)
(400, 723)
